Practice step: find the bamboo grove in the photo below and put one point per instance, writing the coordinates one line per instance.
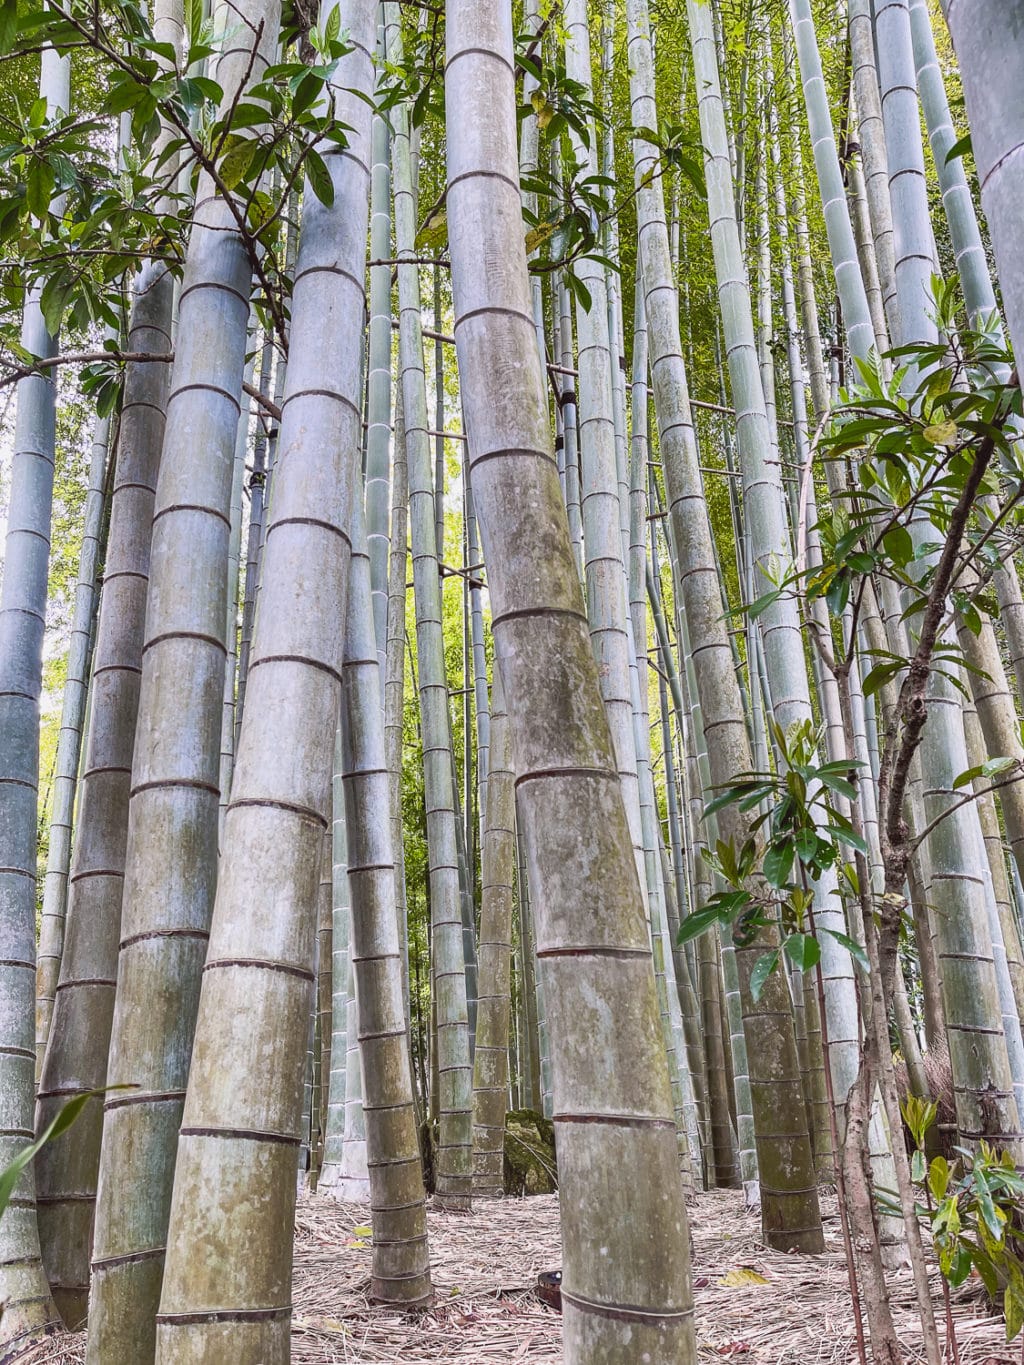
(510, 602)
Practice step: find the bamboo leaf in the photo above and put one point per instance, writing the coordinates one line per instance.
(741, 1277)
(58, 1125)
(962, 145)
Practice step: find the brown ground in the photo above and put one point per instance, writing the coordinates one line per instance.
(485, 1263)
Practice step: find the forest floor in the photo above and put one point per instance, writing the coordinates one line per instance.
(786, 1310)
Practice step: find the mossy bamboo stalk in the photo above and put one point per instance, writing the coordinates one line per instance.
(241, 1127)
(400, 1272)
(454, 1173)
(789, 1217)
(490, 1058)
(961, 917)
(69, 740)
(611, 1085)
(171, 861)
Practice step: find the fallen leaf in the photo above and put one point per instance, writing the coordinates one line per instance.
(734, 1279)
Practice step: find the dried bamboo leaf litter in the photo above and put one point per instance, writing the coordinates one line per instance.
(791, 1310)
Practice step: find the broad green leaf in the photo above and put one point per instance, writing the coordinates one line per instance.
(694, 925)
(803, 950)
(965, 778)
(941, 433)
(763, 968)
(40, 185)
(806, 845)
(433, 234)
(778, 863)
(854, 949)
(236, 161)
(8, 24)
(319, 176)
(992, 1216)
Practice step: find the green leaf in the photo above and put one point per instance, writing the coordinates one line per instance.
(959, 1265)
(992, 1216)
(763, 968)
(694, 925)
(898, 544)
(333, 25)
(962, 145)
(854, 949)
(319, 176)
(40, 185)
(941, 433)
(917, 1166)
(965, 778)
(1013, 1307)
(58, 1125)
(803, 950)
(433, 234)
(8, 24)
(778, 863)
(236, 161)
(993, 766)
(806, 845)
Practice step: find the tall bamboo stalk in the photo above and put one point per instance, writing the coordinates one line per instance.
(171, 861)
(789, 1197)
(400, 1271)
(977, 1051)
(592, 938)
(988, 37)
(454, 1174)
(69, 741)
(23, 1287)
(241, 1126)
(490, 1058)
